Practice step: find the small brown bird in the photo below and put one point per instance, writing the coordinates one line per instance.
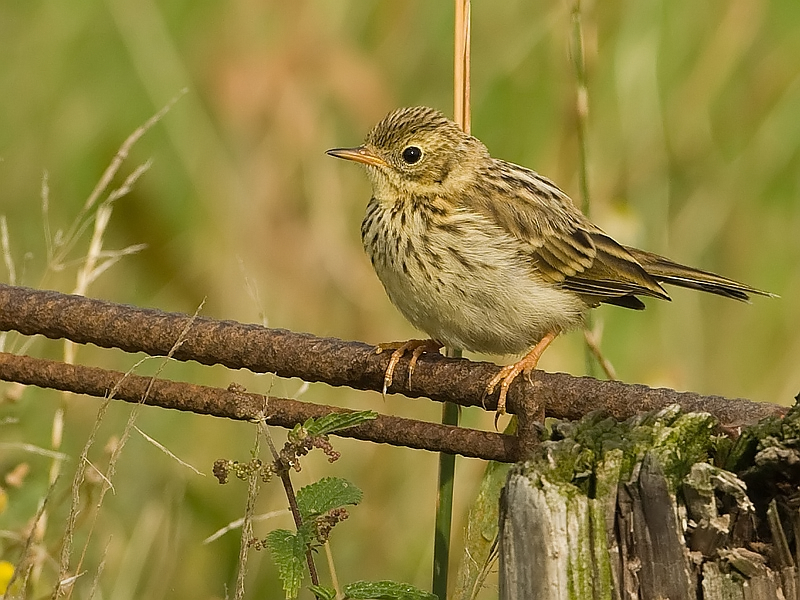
(484, 255)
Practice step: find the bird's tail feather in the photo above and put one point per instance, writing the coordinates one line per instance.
(666, 271)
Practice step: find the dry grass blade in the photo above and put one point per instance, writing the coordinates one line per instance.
(592, 339)
(6, 245)
(90, 270)
(247, 520)
(166, 451)
(33, 449)
(81, 221)
(9, 262)
(77, 480)
(48, 234)
(100, 568)
(239, 522)
(25, 555)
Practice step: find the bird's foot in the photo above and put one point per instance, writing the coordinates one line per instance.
(416, 347)
(506, 376)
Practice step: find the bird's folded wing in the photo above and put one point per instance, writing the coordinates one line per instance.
(613, 273)
(564, 247)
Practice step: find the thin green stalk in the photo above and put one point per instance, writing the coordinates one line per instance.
(582, 107)
(582, 114)
(444, 502)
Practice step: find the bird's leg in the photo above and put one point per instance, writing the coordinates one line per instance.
(509, 373)
(417, 347)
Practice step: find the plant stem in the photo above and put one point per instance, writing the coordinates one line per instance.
(582, 117)
(247, 522)
(462, 109)
(291, 497)
(444, 502)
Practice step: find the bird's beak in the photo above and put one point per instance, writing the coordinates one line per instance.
(360, 154)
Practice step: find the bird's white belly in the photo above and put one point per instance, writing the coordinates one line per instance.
(471, 287)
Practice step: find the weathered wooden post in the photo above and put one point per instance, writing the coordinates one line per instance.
(658, 507)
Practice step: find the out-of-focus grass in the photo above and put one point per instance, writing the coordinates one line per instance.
(694, 145)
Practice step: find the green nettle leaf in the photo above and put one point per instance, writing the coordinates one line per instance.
(288, 550)
(322, 592)
(326, 494)
(336, 421)
(385, 590)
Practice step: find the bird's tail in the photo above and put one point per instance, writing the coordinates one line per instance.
(666, 271)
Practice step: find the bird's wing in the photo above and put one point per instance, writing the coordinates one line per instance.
(564, 247)
(668, 271)
(614, 273)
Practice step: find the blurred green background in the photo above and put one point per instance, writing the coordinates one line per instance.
(693, 149)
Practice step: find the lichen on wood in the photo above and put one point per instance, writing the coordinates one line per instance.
(657, 506)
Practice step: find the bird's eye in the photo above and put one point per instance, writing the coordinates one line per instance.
(412, 154)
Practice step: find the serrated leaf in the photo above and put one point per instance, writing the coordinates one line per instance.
(385, 590)
(326, 494)
(337, 421)
(288, 550)
(322, 592)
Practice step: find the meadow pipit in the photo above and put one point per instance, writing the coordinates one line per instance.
(484, 255)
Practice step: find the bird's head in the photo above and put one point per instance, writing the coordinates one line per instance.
(416, 151)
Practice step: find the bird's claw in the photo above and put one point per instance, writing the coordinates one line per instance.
(417, 348)
(506, 376)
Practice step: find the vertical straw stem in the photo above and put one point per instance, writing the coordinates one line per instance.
(462, 110)
(450, 414)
